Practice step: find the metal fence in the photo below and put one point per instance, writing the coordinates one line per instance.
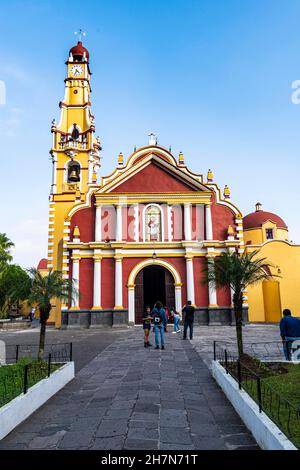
(23, 370)
(60, 352)
(266, 351)
(284, 413)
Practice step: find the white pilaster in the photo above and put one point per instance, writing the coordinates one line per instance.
(212, 294)
(119, 223)
(97, 284)
(131, 305)
(98, 224)
(75, 276)
(190, 280)
(187, 222)
(136, 223)
(208, 223)
(54, 169)
(118, 283)
(178, 301)
(169, 221)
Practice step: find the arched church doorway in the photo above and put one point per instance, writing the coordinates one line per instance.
(153, 283)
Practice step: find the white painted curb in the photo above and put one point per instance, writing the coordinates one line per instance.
(17, 410)
(265, 432)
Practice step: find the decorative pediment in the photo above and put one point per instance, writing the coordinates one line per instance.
(152, 173)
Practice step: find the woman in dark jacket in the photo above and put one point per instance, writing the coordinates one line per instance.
(147, 326)
(159, 322)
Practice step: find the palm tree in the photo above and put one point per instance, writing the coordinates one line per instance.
(5, 245)
(40, 291)
(237, 272)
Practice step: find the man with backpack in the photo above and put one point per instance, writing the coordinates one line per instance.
(160, 321)
(189, 312)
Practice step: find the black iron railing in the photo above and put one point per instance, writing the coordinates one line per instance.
(60, 352)
(264, 351)
(22, 369)
(274, 404)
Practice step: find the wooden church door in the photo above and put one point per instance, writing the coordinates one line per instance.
(170, 289)
(139, 297)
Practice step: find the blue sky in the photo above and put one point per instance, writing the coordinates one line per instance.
(211, 77)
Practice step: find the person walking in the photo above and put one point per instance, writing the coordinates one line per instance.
(159, 319)
(289, 331)
(168, 318)
(147, 319)
(188, 311)
(176, 317)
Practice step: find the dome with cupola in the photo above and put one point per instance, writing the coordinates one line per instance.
(79, 52)
(259, 217)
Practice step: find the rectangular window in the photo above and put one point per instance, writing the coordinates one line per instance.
(269, 234)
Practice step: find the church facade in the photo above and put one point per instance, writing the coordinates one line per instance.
(139, 235)
(142, 233)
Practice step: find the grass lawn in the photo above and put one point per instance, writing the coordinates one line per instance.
(12, 377)
(280, 390)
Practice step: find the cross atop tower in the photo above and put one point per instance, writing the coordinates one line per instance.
(80, 34)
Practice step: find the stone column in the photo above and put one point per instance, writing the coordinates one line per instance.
(212, 294)
(97, 284)
(119, 223)
(208, 223)
(98, 224)
(187, 222)
(131, 305)
(118, 283)
(75, 276)
(178, 300)
(190, 279)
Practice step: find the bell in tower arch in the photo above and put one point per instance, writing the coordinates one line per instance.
(75, 132)
(74, 173)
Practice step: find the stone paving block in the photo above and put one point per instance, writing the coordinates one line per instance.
(108, 443)
(93, 410)
(46, 442)
(146, 408)
(111, 428)
(164, 446)
(142, 433)
(175, 436)
(208, 443)
(173, 418)
(77, 439)
(122, 404)
(139, 416)
(203, 416)
(118, 414)
(87, 422)
(239, 439)
(141, 444)
(173, 404)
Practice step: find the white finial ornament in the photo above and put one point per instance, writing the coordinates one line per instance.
(80, 33)
(152, 139)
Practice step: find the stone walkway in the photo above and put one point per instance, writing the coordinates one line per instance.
(129, 397)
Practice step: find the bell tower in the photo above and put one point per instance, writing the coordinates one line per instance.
(75, 153)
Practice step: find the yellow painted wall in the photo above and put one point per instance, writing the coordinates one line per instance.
(285, 258)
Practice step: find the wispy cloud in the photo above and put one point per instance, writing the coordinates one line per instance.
(30, 239)
(16, 72)
(10, 122)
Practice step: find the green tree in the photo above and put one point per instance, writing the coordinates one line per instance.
(236, 272)
(5, 246)
(40, 291)
(12, 275)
